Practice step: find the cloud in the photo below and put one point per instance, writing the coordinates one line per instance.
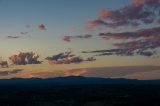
(140, 42)
(4, 73)
(67, 58)
(20, 35)
(143, 48)
(152, 34)
(96, 22)
(4, 64)
(24, 58)
(138, 45)
(108, 52)
(64, 58)
(14, 71)
(69, 38)
(23, 33)
(13, 37)
(121, 52)
(41, 27)
(135, 14)
(76, 72)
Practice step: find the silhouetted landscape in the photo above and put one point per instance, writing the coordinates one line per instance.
(79, 91)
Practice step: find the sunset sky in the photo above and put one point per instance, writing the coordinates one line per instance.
(128, 31)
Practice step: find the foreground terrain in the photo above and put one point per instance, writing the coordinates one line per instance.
(37, 92)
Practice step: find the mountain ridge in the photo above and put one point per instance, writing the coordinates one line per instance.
(74, 80)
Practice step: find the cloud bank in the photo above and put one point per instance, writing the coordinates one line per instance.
(143, 41)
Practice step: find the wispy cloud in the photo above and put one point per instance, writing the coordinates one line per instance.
(69, 38)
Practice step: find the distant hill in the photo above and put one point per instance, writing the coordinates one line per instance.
(73, 80)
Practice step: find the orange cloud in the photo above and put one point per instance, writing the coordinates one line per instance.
(75, 73)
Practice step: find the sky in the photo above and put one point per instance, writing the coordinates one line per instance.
(93, 34)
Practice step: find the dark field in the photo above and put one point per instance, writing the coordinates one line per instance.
(80, 95)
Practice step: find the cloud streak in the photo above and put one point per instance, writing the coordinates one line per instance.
(13, 37)
(14, 71)
(69, 38)
(148, 34)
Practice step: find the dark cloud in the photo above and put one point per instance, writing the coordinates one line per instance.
(64, 58)
(67, 58)
(14, 71)
(25, 58)
(4, 64)
(4, 73)
(137, 13)
(20, 35)
(152, 33)
(140, 42)
(90, 59)
(69, 38)
(108, 52)
(13, 37)
(139, 47)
